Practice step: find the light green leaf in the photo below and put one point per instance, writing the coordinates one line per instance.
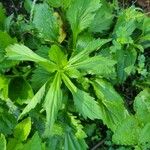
(56, 55)
(14, 144)
(111, 104)
(89, 48)
(72, 72)
(52, 104)
(144, 136)
(45, 22)
(22, 129)
(34, 101)
(142, 106)
(96, 65)
(5, 40)
(4, 87)
(22, 90)
(2, 142)
(34, 144)
(86, 105)
(23, 53)
(80, 134)
(80, 15)
(69, 83)
(103, 18)
(127, 132)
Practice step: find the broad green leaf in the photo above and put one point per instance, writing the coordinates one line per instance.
(111, 104)
(34, 143)
(82, 42)
(128, 20)
(142, 106)
(56, 55)
(89, 48)
(80, 15)
(144, 136)
(21, 92)
(23, 53)
(34, 101)
(22, 129)
(86, 105)
(52, 104)
(103, 18)
(73, 143)
(96, 65)
(14, 144)
(126, 59)
(127, 132)
(2, 142)
(45, 22)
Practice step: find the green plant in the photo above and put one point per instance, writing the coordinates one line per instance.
(61, 65)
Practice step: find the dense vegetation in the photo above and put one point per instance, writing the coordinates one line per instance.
(74, 75)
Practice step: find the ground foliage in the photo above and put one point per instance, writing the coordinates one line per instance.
(74, 73)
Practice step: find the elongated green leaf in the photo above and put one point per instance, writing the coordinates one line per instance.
(96, 65)
(53, 103)
(90, 47)
(45, 22)
(85, 104)
(142, 106)
(34, 101)
(112, 109)
(127, 133)
(68, 83)
(72, 143)
(23, 53)
(22, 129)
(2, 142)
(80, 15)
